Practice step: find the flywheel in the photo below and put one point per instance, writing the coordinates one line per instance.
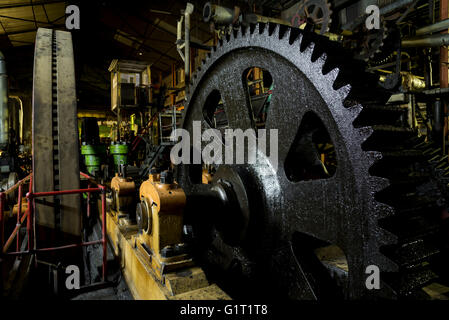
(55, 131)
(345, 196)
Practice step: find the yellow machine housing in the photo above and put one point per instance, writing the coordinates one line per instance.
(154, 260)
(162, 206)
(123, 193)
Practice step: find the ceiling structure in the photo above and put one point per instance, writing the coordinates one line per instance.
(132, 30)
(109, 29)
(19, 19)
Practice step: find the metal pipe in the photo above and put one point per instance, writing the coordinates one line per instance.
(444, 83)
(218, 14)
(14, 187)
(4, 116)
(438, 116)
(14, 234)
(63, 192)
(179, 42)
(437, 40)
(254, 18)
(394, 6)
(409, 82)
(91, 179)
(187, 13)
(439, 26)
(383, 10)
(20, 120)
(69, 246)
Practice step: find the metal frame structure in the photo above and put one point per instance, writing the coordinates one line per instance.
(30, 217)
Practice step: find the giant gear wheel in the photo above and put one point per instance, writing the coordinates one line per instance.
(55, 131)
(367, 208)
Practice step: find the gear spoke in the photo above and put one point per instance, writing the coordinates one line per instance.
(323, 203)
(287, 110)
(235, 97)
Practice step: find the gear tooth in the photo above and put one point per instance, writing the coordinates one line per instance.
(262, 28)
(319, 55)
(364, 133)
(235, 34)
(378, 183)
(308, 51)
(285, 35)
(387, 238)
(273, 30)
(306, 42)
(298, 40)
(294, 35)
(387, 264)
(383, 210)
(343, 91)
(266, 31)
(354, 112)
(371, 158)
(256, 29)
(252, 28)
(243, 31)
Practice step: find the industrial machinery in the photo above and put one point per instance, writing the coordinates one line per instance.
(156, 262)
(55, 132)
(123, 195)
(93, 152)
(355, 184)
(291, 225)
(9, 132)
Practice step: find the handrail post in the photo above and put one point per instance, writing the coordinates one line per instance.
(19, 214)
(103, 231)
(2, 195)
(30, 220)
(89, 185)
(2, 221)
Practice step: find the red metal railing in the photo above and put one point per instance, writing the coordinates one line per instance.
(29, 216)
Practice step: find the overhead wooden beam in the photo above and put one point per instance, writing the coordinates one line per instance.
(30, 30)
(28, 4)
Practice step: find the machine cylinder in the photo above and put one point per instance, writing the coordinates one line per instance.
(218, 14)
(119, 152)
(93, 157)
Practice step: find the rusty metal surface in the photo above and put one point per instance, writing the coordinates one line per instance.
(55, 131)
(354, 209)
(42, 124)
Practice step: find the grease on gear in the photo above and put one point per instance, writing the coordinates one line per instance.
(367, 208)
